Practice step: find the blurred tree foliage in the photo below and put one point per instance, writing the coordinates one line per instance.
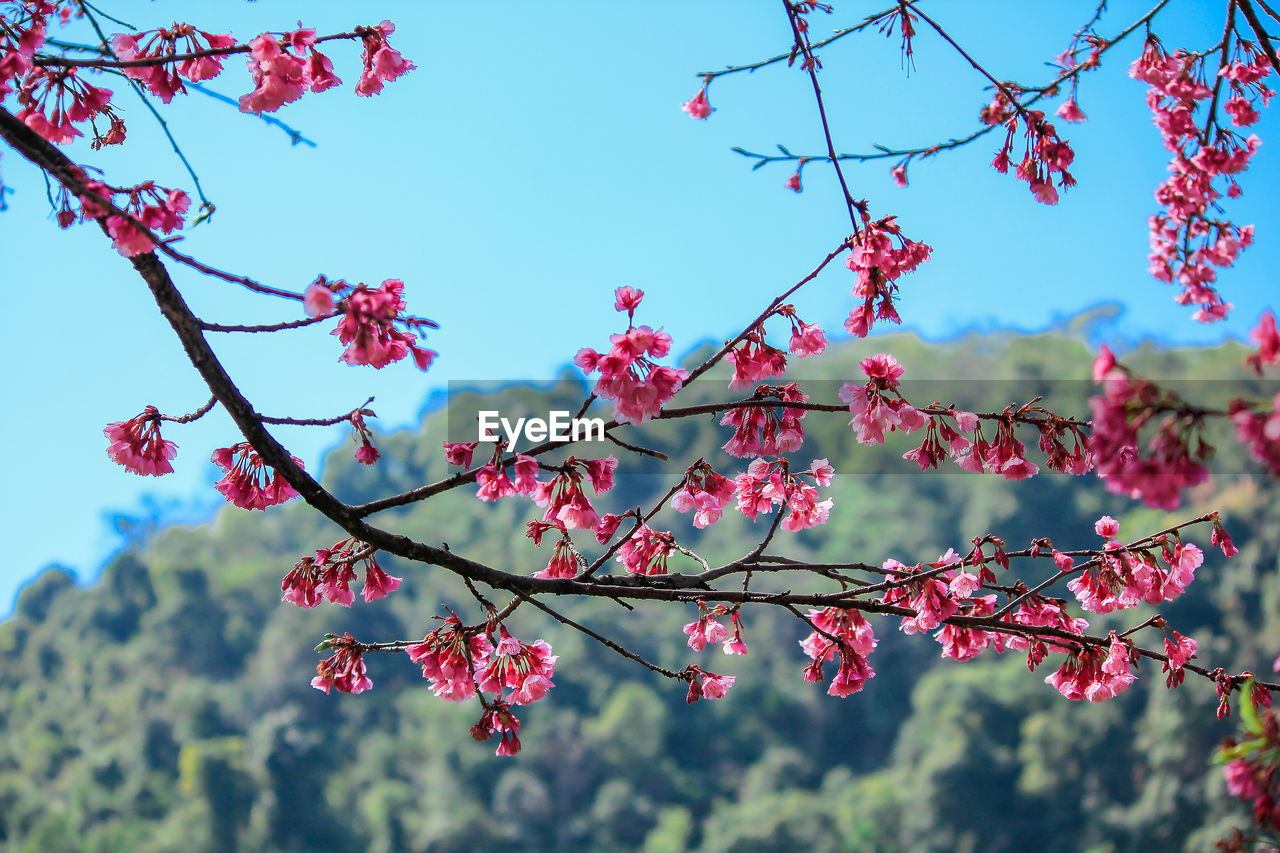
(167, 706)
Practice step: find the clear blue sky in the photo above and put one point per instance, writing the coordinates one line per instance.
(536, 160)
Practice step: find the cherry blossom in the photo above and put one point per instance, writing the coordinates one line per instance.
(707, 685)
(382, 64)
(450, 656)
(637, 386)
(697, 107)
(368, 327)
(136, 444)
(344, 671)
(250, 483)
(879, 264)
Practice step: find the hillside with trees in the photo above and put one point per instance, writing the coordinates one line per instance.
(167, 705)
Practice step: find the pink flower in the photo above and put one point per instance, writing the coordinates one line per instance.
(878, 264)
(899, 174)
(450, 656)
(646, 551)
(1107, 527)
(707, 685)
(698, 106)
(368, 327)
(136, 444)
(807, 339)
(458, 453)
(1268, 341)
(1070, 111)
(317, 301)
(627, 299)
(381, 62)
(345, 670)
(637, 386)
(705, 493)
(524, 670)
(793, 182)
(767, 430)
(377, 583)
(249, 483)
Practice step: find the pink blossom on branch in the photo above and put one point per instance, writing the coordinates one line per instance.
(368, 326)
(698, 107)
(382, 64)
(136, 444)
(250, 483)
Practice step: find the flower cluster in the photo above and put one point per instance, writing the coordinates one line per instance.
(156, 208)
(1186, 243)
(928, 596)
(1126, 404)
(53, 100)
(879, 264)
(382, 64)
(1259, 432)
(344, 671)
(645, 552)
(1088, 674)
(704, 492)
(563, 497)
(878, 405)
(754, 359)
(1268, 342)
(250, 483)
(450, 656)
(164, 79)
(19, 41)
(767, 430)
(1044, 152)
(494, 483)
(368, 325)
(522, 669)
(767, 484)
(136, 444)
(564, 563)
(628, 375)
(707, 630)
(706, 685)
(284, 67)
(845, 634)
(329, 574)
(1123, 578)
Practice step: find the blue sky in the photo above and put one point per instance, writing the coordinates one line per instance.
(536, 160)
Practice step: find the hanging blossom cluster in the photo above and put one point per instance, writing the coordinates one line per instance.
(705, 493)
(1259, 431)
(1187, 243)
(628, 376)
(708, 630)
(767, 484)
(345, 669)
(767, 430)
(1044, 152)
(136, 444)
(1169, 463)
(154, 208)
(461, 663)
(754, 359)
(369, 320)
(843, 634)
(248, 482)
(164, 79)
(564, 560)
(878, 406)
(1124, 578)
(284, 66)
(879, 263)
(329, 574)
